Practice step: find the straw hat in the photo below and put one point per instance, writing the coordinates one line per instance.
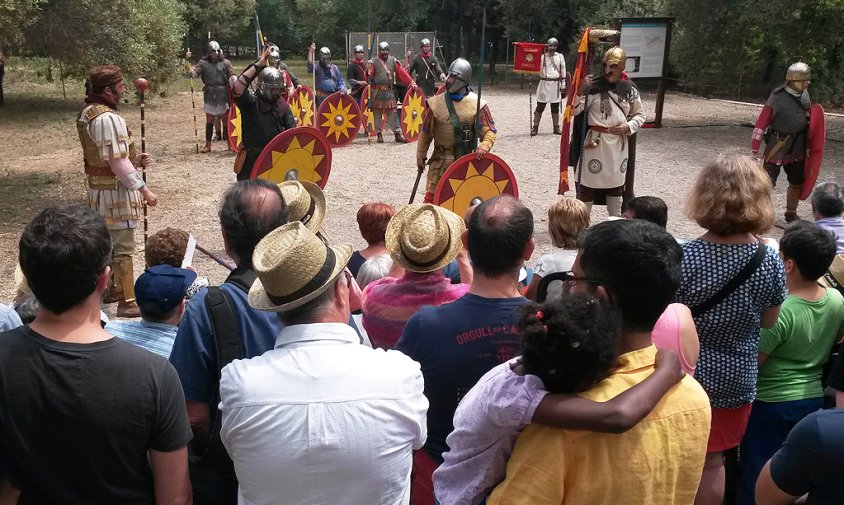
(294, 266)
(305, 202)
(423, 237)
(834, 278)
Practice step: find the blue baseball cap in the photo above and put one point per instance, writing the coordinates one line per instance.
(161, 288)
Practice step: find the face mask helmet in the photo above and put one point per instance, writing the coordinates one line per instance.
(459, 75)
(270, 84)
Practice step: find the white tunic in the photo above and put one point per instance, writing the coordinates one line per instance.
(604, 166)
(553, 67)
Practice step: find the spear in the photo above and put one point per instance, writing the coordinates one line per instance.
(220, 261)
(193, 105)
(478, 122)
(141, 85)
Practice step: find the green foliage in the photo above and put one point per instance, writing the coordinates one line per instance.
(15, 16)
(743, 47)
(226, 19)
(143, 37)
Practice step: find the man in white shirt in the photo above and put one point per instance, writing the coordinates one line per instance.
(320, 419)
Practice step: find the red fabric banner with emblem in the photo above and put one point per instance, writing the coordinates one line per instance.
(527, 57)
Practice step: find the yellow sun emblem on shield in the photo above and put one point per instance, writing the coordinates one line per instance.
(237, 128)
(297, 163)
(306, 110)
(413, 116)
(482, 186)
(338, 120)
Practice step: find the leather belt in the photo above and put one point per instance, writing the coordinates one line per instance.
(102, 182)
(382, 86)
(599, 129)
(550, 79)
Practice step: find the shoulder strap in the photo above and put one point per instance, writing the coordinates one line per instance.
(226, 336)
(734, 283)
(459, 148)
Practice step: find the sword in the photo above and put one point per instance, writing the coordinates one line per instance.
(416, 184)
(141, 85)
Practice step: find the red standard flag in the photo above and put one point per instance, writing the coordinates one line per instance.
(573, 88)
(527, 57)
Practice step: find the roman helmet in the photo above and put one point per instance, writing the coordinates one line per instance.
(383, 48)
(461, 70)
(214, 51)
(425, 42)
(614, 56)
(324, 56)
(798, 75)
(274, 57)
(270, 84)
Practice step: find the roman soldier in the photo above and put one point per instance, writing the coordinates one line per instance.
(215, 71)
(383, 72)
(783, 123)
(457, 106)
(357, 74)
(291, 82)
(263, 112)
(115, 188)
(551, 88)
(613, 112)
(427, 68)
(327, 77)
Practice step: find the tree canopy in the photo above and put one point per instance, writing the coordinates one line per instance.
(720, 47)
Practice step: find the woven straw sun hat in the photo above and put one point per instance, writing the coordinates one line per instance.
(423, 237)
(305, 202)
(294, 266)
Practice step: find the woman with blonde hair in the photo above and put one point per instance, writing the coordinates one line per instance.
(733, 283)
(567, 217)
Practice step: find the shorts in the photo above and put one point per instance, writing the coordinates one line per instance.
(793, 171)
(728, 427)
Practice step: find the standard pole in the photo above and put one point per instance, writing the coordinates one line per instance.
(480, 80)
(141, 84)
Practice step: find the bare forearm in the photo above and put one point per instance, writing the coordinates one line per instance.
(9, 494)
(171, 478)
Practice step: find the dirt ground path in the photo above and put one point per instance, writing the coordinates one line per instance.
(40, 163)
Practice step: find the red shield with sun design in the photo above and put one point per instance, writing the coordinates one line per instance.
(301, 104)
(235, 128)
(469, 181)
(413, 106)
(298, 154)
(338, 118)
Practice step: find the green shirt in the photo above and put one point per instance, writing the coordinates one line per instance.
(798, 346)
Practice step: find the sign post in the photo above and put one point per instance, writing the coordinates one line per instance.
(646, 42)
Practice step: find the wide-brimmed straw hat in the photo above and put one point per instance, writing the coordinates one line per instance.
(294, 266)
(423, 237)
(305, 202)
(834, 277)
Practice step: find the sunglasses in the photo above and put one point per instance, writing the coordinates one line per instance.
(572, 280)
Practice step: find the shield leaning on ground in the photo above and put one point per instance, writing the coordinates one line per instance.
(301, 103)
(469, 181)
(298, 154)
(413, 106)
(814, 149)
(367, 117)
(338, 118)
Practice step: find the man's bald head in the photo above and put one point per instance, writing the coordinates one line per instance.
(500, 229)
(250, 210)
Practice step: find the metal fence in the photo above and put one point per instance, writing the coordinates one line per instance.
(399, 42)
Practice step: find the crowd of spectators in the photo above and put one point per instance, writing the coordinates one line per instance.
(433, 366)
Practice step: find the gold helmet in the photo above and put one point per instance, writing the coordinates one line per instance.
(798, 72)
(615, 56)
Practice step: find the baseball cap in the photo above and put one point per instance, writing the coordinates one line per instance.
(161, 288)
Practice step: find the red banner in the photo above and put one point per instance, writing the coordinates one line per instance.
(527, 57)
(574, 83)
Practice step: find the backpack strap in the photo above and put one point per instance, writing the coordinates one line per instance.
(734, 283)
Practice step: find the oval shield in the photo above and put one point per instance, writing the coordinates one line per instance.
(338, 118)
(300, 154)
(301, 103)
(367, 118)
(413, 106)
(469, 181)
(234, 128)
(814, 149)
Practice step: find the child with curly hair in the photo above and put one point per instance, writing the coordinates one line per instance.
(569, 344)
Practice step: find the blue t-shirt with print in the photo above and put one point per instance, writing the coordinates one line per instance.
(456, 344)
